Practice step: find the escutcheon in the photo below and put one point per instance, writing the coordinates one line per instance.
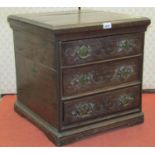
(83, 51)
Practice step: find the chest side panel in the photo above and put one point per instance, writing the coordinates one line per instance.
(36, 68)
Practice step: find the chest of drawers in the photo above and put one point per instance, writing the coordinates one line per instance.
(79, 73)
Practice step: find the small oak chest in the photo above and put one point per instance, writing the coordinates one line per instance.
(79, 73)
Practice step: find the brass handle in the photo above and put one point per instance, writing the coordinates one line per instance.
(83, 110)
(125, 44)
(123, 72)
(124, 100)
(82, 79)
(121, 101)
(84, 51)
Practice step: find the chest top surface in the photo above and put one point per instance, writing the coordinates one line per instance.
(75, 20)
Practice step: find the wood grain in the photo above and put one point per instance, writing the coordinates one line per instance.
(101, 105)
(95, 49)
(93, 77)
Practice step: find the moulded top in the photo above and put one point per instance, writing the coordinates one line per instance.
(74, 19)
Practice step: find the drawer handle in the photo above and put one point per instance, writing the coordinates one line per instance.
(125, 44)
(120, 102)
(123, 72)
(125, 100)
(83, 110)
(82, 79)
(84, 51)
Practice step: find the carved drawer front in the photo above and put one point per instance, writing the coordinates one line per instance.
(87, 50)
(100, 76)
(101, 104)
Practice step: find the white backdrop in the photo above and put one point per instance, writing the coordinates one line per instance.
(7, 64)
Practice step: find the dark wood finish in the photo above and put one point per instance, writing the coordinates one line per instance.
(92, 77)
(35, 48)
(34, 71)
(75, 78)
(101, 105)
(88, 50)
(31, 79)
(61, 22)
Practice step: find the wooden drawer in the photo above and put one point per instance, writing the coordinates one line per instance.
(88, 50)
(100, 76)
(101, 104)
